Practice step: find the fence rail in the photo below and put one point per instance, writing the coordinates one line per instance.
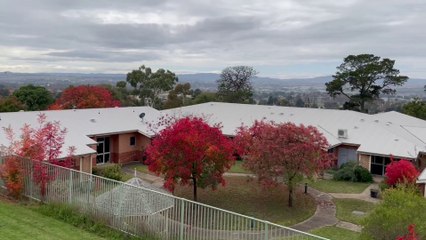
(145, 212)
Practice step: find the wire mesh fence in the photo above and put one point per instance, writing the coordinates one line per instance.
(145, 212)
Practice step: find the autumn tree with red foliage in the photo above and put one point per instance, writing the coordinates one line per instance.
(12, 174)
(285, 151)
(85, 97)
(190, 152)
(42, 144)
(401, 172)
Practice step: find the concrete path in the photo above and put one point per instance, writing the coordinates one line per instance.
(365, 195)
(325, 214)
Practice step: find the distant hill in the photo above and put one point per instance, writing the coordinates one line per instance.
(204, 81)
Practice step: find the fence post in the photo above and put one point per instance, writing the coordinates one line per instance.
(70, 188)
(31, 179)
(266, 231)
(182, 219)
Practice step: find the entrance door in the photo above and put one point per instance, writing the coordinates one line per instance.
(103, 150)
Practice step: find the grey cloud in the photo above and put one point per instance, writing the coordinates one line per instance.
(252, 32)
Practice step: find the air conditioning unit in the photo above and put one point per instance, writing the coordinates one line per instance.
(342, 133)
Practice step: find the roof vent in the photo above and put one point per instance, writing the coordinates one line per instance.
(141, 116)
(362, 119)
(281, 114)
(342, 133)
(92, 120)
(377, 120)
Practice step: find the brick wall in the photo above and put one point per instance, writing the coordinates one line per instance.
(126, 157)
(365, 161)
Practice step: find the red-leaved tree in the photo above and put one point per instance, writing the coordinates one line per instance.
(12, 174)
(40, 144)
(190, 152)
(285, 151)
(85, 97)
(401, 172)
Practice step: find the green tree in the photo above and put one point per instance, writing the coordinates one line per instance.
(205, 97)
(34, 97)
(148, 85)
(400, 208)
(416, 108)
(235, 85)
(178, 96)
(11, 104)
(362, 78)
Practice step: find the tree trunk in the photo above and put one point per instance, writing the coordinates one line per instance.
(194, 181)
(290, 194)
(362, 106)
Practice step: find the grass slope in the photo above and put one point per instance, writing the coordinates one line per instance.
(249, 198)
(18, 222)
(335, 233)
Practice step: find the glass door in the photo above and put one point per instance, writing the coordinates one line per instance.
(103, 150)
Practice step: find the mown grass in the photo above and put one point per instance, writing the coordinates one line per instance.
(248, 197)
(19, 222)
(332, 186)
(143, 169)
(345, 207)
(336, 233)
(71, 216)
(238, 168)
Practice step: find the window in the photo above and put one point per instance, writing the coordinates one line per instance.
(378, 164)
(103, 150)
(132, 141)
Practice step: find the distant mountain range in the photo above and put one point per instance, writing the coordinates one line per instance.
(198, 80)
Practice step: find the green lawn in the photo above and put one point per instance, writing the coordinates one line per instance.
(336, 233)
(248, 197)
(331, 186)
(238, 168)
(143, 168)
(19, 222)
(346, 206)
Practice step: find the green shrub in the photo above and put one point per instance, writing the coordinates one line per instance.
(112, 171)
(345, 172)
(400, 208)
(383, 186)
(351, 171)
(362, 174)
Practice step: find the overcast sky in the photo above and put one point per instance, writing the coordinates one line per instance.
(280, 38)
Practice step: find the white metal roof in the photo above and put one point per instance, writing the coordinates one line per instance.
(385, 134)
(81, 123)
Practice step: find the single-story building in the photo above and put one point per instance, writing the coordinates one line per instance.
(120, 135)
(371, 140)
(116, 135)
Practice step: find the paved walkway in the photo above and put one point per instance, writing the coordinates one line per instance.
(325, 214)
(365, 195)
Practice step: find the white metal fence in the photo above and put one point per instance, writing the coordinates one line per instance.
(144, 212)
